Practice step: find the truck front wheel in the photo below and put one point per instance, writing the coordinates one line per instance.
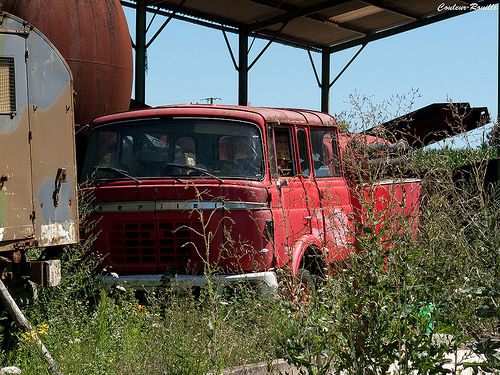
(306, 281)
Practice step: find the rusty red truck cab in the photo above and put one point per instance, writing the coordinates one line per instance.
(235, 192)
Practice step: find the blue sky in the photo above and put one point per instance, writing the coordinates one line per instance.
(455, 59)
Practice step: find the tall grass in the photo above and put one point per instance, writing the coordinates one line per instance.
(115, 332)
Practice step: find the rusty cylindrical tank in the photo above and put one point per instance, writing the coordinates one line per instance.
(93, 37)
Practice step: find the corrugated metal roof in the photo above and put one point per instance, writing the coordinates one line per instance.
(315, 24)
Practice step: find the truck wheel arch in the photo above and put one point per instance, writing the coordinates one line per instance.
(307, 255)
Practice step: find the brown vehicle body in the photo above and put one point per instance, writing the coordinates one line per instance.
(38, 195)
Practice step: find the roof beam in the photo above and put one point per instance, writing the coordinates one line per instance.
(299, 12)
(293, 12)
(405, 27)
(390, 8)
(315, 17)
(267, 34)
(170, 13)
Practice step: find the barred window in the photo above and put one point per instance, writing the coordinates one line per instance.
(7, 86)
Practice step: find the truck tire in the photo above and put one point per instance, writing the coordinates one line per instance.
(305, 278)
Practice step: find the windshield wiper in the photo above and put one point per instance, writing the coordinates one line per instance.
(117, 170)
(201, 170)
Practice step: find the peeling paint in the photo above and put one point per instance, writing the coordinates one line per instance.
(56, 233)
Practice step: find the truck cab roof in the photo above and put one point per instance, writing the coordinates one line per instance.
(254, 114)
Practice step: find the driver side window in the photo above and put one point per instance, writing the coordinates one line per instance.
(284, 152)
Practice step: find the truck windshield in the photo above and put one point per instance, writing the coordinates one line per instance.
(174, 148)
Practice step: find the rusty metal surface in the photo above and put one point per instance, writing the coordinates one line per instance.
(46, 272)
(93, 37)
(37, 140)
(432, 123)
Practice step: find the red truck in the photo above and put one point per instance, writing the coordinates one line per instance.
(238, 192)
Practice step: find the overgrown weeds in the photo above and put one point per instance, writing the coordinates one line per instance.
(411, 296)
(114, 333)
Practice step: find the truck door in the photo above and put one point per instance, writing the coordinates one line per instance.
(51, 117)
(288, 203)
(334, 193)
(314, 220)
(16, 202)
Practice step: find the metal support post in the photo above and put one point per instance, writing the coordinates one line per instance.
(325, 80)
(243, 68)
(140, 51)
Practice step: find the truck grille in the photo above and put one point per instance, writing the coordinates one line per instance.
(176, 244)
(133, 243)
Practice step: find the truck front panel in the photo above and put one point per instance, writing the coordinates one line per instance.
(189, 190)
(179, 195)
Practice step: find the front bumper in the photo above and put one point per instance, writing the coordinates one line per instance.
(266, 282)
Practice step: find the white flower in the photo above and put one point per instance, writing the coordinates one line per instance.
(119, 287)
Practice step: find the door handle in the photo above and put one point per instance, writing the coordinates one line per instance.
(2, 180)
(60, 178)
(281, 183)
